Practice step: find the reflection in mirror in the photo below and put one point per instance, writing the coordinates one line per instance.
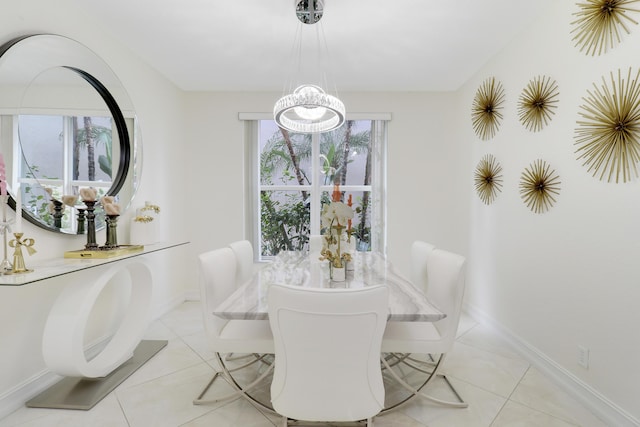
(67, 124)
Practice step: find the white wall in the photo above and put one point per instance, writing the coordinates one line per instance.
(428, 194)
(158, 103)
(566, 278)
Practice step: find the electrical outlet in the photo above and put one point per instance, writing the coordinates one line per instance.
(583, 357)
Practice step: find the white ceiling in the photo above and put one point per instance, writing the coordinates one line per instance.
(373, 45)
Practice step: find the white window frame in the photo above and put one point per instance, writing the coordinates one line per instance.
(377, 188)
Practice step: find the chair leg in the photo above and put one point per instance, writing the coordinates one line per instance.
(198, 400)
(459, 404)
(370, 422)
(285, 422)
(416, 392)
(240, 391)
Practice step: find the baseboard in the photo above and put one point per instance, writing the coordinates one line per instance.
(193, 295)
(600, 405)
(14, 399)
(169, 305)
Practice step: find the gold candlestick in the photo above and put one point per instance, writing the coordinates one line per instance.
(18, 258)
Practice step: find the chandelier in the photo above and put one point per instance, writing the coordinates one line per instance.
(308, 108)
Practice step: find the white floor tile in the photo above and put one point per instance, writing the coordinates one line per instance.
(185, 319)
(174, 357)
(482, 367)
(483, 407)
(538, 392)
(106, 413)
(491, 371)
(237, 413)
(484, 338)
(167, 401)
(200, 343)
(516, 415)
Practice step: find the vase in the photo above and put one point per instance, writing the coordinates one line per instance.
(338, 274)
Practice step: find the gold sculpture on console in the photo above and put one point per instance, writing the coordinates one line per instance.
(18, 258)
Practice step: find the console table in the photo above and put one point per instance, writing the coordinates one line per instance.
(86, 382)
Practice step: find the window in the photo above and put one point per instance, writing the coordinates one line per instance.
(295, 174)
(62, 154)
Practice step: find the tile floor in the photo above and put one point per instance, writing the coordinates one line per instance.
(501, 388)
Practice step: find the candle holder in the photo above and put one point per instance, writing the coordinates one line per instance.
(57, 213)
(91, 245)
(112, 232)
(18, 259)
(81, 218)
(4, 229)
(5, 265)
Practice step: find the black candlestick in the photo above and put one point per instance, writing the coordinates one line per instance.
(91, 245)
(81, 218)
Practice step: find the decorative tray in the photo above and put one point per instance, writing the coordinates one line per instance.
(104, 253)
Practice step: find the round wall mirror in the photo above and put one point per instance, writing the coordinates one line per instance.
(66, 123)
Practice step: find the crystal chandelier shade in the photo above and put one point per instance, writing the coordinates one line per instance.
(309, 109)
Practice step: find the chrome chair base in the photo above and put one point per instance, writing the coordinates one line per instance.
(226, 374)
(288, 422)
(460, 403)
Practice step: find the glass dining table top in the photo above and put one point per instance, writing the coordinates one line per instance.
(406, 302)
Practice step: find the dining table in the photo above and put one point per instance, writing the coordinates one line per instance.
(297, 268)
(407, 303)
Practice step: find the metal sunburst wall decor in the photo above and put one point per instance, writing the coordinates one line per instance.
(537, 103)
(608, 137)
(599, 24)
(539, 185)
(488, 179)
(485, 111)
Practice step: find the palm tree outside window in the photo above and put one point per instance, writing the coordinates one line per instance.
(297, 174)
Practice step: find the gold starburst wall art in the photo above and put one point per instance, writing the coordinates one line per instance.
(539, 185)
(608, 136)
(537, 103)
(488, 179)
(486, 108)
(599, 24)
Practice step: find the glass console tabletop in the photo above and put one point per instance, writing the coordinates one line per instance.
(61, 266)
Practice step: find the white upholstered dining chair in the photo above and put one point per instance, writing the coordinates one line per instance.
(217, 280)
(245, 265)
(327, 352)
(419, 253)
(446, 277)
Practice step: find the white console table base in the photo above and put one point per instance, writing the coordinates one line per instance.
(85, 393)
(87, 382)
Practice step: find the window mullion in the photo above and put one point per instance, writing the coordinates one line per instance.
(67, 155)
(315, 187)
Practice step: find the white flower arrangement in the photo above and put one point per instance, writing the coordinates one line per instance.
(335, 217)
